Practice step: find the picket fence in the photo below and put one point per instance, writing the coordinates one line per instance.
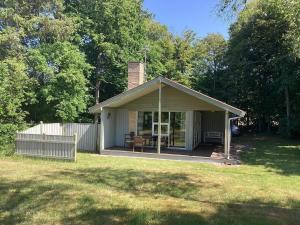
(57, 139)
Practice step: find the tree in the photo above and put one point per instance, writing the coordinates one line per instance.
(209, 65)
(15, 92)
(262, 65)
(160, 56)
(184, 53)
(111, 34)
(169, 56)
(39, 34)
(61, 72)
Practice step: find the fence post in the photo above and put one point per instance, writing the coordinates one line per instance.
(43, 150)
(75, 146)
(41, 127)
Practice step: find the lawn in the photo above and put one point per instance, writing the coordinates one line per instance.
(114, 190)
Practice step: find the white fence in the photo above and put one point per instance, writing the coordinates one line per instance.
(86, 132)
(49, 146)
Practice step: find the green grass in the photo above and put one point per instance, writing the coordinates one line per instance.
(114, 190)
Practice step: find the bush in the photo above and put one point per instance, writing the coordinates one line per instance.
(7, 138)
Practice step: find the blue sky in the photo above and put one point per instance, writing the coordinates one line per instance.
(179, 15)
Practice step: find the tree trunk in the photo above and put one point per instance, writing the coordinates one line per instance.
(288, 108)
(96, 118)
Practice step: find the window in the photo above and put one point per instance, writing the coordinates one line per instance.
(164, 117)
(144, 123)
(164, 129)
(172, 126)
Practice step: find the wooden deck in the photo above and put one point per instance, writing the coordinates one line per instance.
(201, 154)
(202, 150)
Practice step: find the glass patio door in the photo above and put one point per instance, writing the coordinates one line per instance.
(177, 130)
(165, 124)
(172, 127)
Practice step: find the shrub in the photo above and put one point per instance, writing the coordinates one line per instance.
(7, 138)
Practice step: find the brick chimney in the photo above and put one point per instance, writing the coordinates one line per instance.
(135, 74)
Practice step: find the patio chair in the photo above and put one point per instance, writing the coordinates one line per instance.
(138, 141)
(128, 139)
(148, 138)
(164, 141)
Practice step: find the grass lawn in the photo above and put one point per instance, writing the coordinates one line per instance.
(113, 190)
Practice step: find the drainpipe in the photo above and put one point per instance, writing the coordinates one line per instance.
(229, 134)
(101, 138)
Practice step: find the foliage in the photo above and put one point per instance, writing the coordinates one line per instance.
(262, 63)
(61, 71)
(111, 34)
(209, 65)
(39, 35)
(7, 138)
(15, 91)
(168, 55)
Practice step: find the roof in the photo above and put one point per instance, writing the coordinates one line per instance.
(153, 85)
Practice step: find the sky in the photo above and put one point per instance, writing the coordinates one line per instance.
(197, 15)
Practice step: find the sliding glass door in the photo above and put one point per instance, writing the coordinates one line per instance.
(165, 124)
(177, 129)
(144, 124)
(172, 127)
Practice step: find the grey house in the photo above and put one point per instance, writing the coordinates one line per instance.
(175, 115)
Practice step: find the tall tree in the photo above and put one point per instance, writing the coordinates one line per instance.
(209, 65)
(111, 34)
(61, 71)
(161, 50)
(262, 65)
(38, 27)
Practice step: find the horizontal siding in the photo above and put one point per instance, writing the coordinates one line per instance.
(172, 100)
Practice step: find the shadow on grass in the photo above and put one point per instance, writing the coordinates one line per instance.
(177, 185)
(23, 201)
(225, 214)
(273, 152)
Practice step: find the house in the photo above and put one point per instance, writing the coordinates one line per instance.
(173, 114)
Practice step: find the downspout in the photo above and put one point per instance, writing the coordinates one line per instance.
(101, 136)
(229, 133)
